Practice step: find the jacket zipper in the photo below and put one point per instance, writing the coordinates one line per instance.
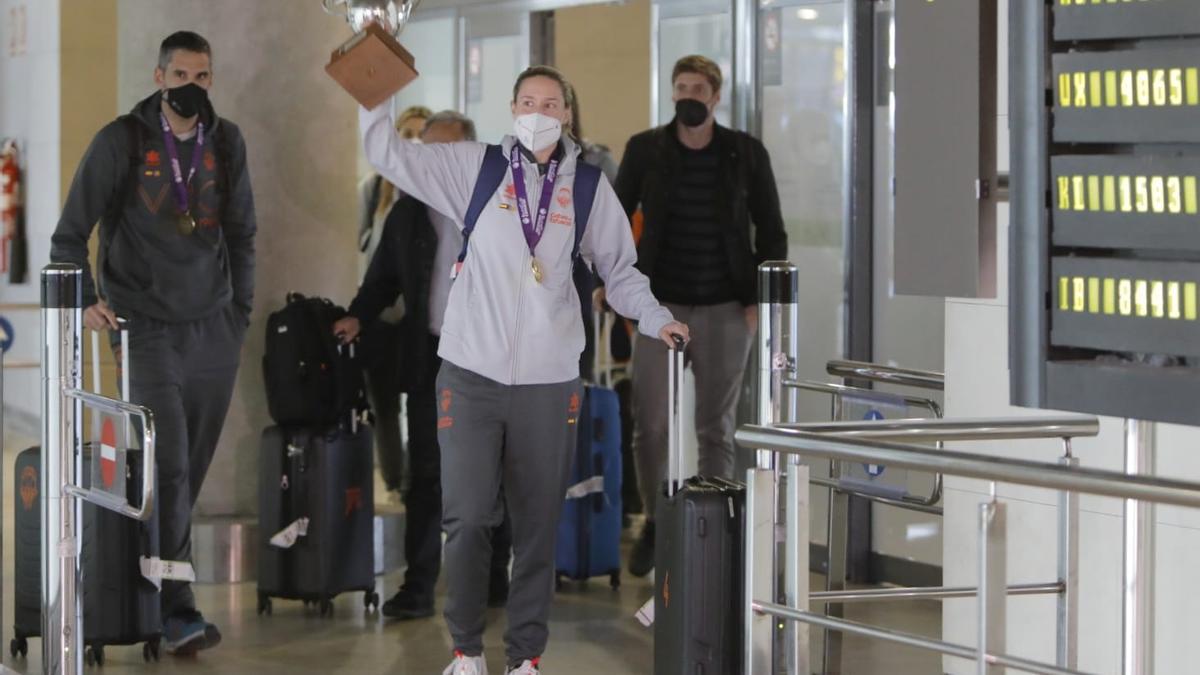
(526, 262)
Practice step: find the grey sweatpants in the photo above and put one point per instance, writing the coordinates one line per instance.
(717, 354)
(524, 438)
(184, 372)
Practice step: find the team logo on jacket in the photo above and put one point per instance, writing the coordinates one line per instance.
(564, 197)
(446, 399)
(29, 487)
(353, 501)
(210, 162)
(510, 191)
(561, 219)
(153, 159)
(573, 406)
(445, 421)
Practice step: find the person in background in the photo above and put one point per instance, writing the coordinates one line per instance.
(417, 242)
(379, 344)
(509, 394)
(711, 216)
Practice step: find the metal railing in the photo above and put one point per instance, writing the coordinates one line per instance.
(874, 372)
(63, 403)
(992, 591)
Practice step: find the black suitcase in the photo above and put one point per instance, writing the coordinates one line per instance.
(325, 480)
(120, 606)
(699, 583)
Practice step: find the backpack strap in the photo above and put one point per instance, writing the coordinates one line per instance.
(491, 175)
(587, 181)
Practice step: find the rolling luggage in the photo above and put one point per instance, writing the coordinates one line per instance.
(699, 584)
(120, 605)
(316, 516)
(589, 530)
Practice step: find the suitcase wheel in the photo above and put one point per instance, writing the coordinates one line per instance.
(371, 601)
(558, 583)
(95, 656)
(327, 608)
(150, 651)
(614, 580)
(18, 647)
(264, 604)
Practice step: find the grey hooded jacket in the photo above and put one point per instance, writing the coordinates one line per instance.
(501, 323)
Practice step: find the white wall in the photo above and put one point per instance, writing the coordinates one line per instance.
(977, 385)
(29, 111)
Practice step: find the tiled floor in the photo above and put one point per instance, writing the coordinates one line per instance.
(592, 632)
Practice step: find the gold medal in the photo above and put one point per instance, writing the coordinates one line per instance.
(186, 224)
(538, 273)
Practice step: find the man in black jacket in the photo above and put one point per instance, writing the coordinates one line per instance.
(169, 184)
(416, 249)
(712, 214)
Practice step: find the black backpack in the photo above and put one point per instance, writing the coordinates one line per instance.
(312, 379)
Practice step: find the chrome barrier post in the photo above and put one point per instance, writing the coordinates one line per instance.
(1067, 641)
(778, 345)
(796, 570)
(760, 570)
(837, 543)
(61, 460)
(1137, 615)
(993, 586)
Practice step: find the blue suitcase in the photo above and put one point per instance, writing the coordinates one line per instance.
(589, 532)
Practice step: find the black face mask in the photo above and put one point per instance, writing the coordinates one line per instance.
(690, 112)
(187, 101)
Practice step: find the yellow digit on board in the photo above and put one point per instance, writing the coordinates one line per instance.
(1110, 296)
(1189, 195)
(1080, 297)
(1110, 88)
(1125, 297)
(1126, 194)
(1094, 295)
(1096, 89)
(1157, 306)
(1110, 193)
(1176, 77)
(1064, 193)
(1189, 301)
(1193, 86)
(1141, 304)
(1077, 192)
(1143, 88)
(1174, 194)
(1127, 88)
(1158, 195)
(1173, 300)
(1081, 99)
(1064, 289)
(1160, 87)
(1093, 193)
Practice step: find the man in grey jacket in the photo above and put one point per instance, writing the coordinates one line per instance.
(169, 185)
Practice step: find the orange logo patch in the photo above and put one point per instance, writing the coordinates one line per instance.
(153, 159)
(445, 422)
(446, 399)
(29, 487)
(667, 590)
(210, 162)
(564, 197)
(573, 406)
(510, 191)
(560, 219)
(353, 500)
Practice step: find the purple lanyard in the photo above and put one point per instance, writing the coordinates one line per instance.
(181, 186)
(533, 229)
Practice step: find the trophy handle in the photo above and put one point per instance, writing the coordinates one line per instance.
(328, 5)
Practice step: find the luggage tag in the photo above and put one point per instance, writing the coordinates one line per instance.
(156, 570)
(645, 615)
(286, 538)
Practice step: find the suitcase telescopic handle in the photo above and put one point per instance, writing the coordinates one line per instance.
(675, 364)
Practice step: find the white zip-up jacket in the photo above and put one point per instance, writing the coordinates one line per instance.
(500, 322)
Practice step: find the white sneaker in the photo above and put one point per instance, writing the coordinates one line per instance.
(526, 668)
(467, 665)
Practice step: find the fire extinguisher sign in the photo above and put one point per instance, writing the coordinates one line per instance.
(7, 336)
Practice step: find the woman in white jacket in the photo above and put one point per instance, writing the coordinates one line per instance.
(509, 394)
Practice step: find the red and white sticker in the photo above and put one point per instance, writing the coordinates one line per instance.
(108, 453)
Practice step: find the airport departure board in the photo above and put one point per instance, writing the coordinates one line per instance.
(1105, 207)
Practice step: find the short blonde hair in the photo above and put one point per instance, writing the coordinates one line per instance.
(413, 112)
(701, 65)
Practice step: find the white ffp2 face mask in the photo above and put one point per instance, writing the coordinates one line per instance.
(536, 131)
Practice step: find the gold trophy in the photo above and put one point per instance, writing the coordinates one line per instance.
(372, 66)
